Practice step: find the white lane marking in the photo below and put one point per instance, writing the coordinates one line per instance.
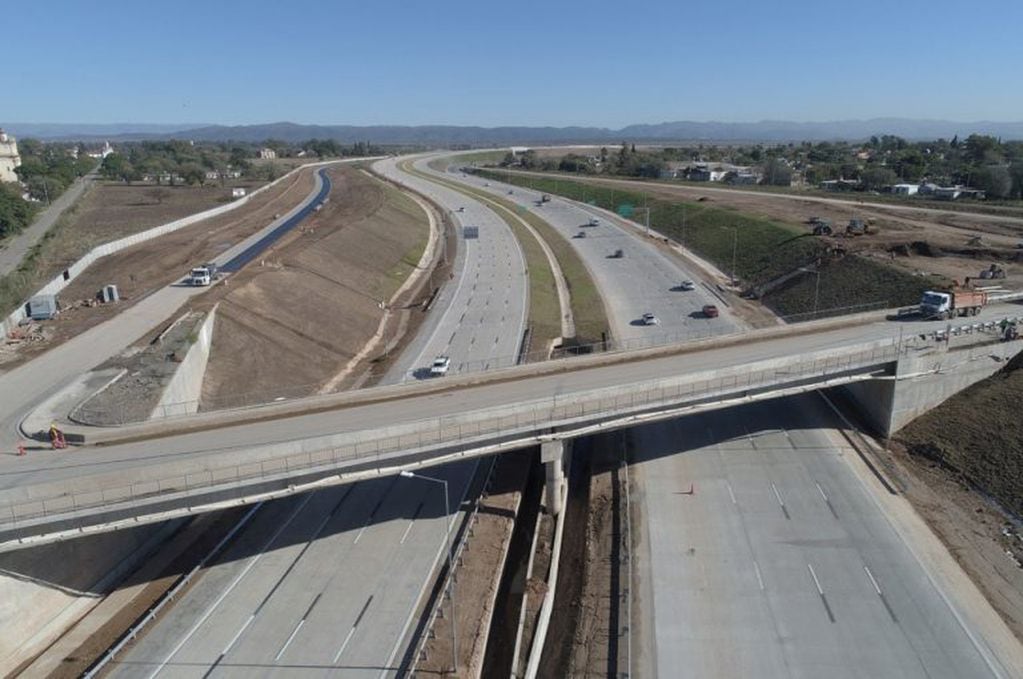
(226, 592)
(290, 639)
(731, 494)
(341, 650)
(777, 495)
(361, 531)
(872, 580)
(815, 580)
(760, 580)
(821, 490)
(407, 531)
(238, 635)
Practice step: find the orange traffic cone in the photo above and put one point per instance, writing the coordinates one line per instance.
(21, 448)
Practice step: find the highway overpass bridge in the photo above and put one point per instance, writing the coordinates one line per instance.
(160, 470)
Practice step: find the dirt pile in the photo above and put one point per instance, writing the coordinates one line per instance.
(979, 435)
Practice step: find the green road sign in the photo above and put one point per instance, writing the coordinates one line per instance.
(626, 210)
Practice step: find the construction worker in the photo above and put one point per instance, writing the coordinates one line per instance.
(57, 437)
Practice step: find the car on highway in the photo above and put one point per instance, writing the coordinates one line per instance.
(710, 310)
(461, 208)
(581, 234)
(440, 366)
(650, 319)
(687, 285)
(617, 254)
(511, 191)
(593, 222)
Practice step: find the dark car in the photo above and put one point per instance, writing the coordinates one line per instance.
(710, 311)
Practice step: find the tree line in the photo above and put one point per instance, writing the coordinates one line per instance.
(979, 161)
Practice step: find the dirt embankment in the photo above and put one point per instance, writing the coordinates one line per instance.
(140, 270)
(293, 320)
(957, 456)
(953, 234)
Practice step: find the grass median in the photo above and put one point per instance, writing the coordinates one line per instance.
(587, 305)
(544, 314)
(754, 249)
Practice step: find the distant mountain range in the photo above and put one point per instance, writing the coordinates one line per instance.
(451, 135)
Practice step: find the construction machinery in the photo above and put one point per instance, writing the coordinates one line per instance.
(822, 228)
(993, 272)
(545, 198)
(860, 227)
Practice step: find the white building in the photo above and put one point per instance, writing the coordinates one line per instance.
(103, 152)
(267, 154)
(906, 189)
(9, 158)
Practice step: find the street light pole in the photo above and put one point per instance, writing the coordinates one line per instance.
(735, 249)
(817, 293)
(451, 563)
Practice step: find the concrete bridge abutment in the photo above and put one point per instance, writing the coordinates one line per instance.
(923, 379)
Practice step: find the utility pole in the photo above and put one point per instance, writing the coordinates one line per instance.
(683, 225)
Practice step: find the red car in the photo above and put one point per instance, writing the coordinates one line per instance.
(710, 311)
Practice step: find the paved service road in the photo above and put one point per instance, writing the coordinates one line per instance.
(329, 583)
(25, 387)
(780, 563)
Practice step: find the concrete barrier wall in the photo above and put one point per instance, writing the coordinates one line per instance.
(61, 280)
(182, 393)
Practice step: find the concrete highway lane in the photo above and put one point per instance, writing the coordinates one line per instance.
(779, 563)
(644, 280)
(331, 587)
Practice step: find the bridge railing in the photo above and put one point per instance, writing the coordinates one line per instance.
(511, 424)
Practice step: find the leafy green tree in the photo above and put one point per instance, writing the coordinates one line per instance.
(45, 188)
(193, 173)
(875, 177)
(15, 213)
(994, 180)
(777, 173)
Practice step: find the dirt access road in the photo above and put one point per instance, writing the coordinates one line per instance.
(948, 235)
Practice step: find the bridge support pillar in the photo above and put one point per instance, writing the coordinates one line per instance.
(552, 454)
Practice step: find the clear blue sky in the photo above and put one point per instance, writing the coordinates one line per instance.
(509, 63)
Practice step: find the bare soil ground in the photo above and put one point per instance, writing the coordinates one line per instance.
(140, 270)
(478, 573)
(950, 234)
(286, 327)
(963, 465)
(595, 644)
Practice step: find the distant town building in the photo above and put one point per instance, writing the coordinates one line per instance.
(905, 189)
(238, 192)
(212, 175)
(9, 158)
(267, 154)
(103, 152)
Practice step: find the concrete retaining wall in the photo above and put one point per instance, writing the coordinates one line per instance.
(925, 380)
(181, 395)
(46, 589)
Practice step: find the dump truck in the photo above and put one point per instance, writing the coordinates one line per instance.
(203, 275)
(944, 304)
